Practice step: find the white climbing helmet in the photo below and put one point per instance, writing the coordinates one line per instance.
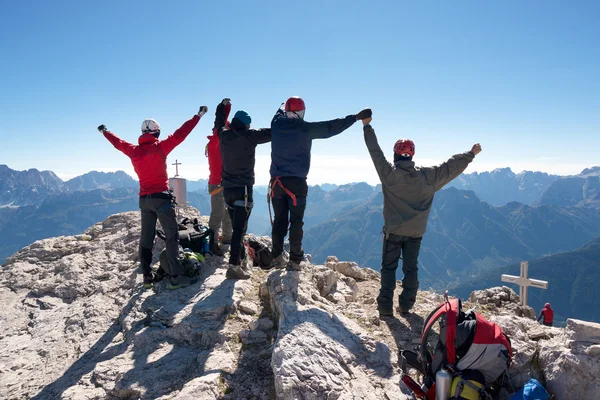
(150, 126)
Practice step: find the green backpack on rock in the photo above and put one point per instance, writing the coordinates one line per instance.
(192, 263)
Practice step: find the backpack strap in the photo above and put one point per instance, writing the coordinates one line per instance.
(452, 308)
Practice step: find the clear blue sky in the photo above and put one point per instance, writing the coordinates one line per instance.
(522, 78)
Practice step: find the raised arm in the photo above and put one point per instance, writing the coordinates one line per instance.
(446, 172)
(327, 129)
(383, 167)
(259, 136)
(180, 134)
(119, 144)
(221, 114)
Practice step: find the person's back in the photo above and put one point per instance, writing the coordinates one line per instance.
(238, 153)
(149, 159)
(238, 150)
(292, 137)
(408, 194)
(150, 164)
(548, 314)
(291, 146)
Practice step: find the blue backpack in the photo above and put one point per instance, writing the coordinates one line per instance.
(533, 390)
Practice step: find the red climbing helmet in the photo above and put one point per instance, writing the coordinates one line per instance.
(294, 103)
(404, 146)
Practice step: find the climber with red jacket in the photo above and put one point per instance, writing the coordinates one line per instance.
(548, 314)
(291, 145)
(408, 193)
(149, 159)
(219, 217)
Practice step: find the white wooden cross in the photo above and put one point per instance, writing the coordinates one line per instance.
(176, 164)
(524, 282)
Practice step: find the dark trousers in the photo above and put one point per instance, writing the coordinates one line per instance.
(547, 323)
(393, 248)
(163, 209)
(285, 212)
(239, 206)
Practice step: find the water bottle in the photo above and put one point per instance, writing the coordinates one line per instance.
(442, 384)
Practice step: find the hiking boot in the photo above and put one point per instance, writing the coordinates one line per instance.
(385, 312)
(278, 262)
(238, 272)
(149, 280)
(298, 265)
(404, 311)
(181, 281)
(216, 250)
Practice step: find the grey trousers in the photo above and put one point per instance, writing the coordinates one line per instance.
(164, 210)
(219, 217)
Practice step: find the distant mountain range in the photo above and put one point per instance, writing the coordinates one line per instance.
(581, 190)
(464, 236)
(573, 282)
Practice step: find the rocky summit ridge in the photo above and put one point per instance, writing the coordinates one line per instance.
(77, 324)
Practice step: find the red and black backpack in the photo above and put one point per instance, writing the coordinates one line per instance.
(465, 343)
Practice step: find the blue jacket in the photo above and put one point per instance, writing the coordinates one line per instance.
(291, 142)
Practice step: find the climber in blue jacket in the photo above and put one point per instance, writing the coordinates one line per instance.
(291, 142)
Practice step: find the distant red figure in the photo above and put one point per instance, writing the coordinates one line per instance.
(548, 314)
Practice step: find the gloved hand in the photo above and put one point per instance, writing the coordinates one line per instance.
(476, 149)
(102, 128)
(366, 113)
(202, 111)
(226, 101)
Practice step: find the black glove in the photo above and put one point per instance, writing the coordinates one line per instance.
(202, 111)
(364, 114)
(102, 128)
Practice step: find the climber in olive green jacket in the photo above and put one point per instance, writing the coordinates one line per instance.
(408, 193)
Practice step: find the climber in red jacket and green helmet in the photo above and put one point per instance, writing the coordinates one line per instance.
(219, 217)
(408, 193)
(548, 314)
(149, 159)
(291, 145)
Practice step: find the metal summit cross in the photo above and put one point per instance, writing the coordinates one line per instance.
(176, 164)
(524, 282)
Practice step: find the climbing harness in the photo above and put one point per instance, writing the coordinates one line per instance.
(271, 194)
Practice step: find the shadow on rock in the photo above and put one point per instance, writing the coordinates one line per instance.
(98, 353)
(174, 351)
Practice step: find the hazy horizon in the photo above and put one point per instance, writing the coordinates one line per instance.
(313, 178)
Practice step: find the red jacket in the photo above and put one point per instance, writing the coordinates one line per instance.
(215, 163)
(149, 158)
(548, 314)
(213, 149)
